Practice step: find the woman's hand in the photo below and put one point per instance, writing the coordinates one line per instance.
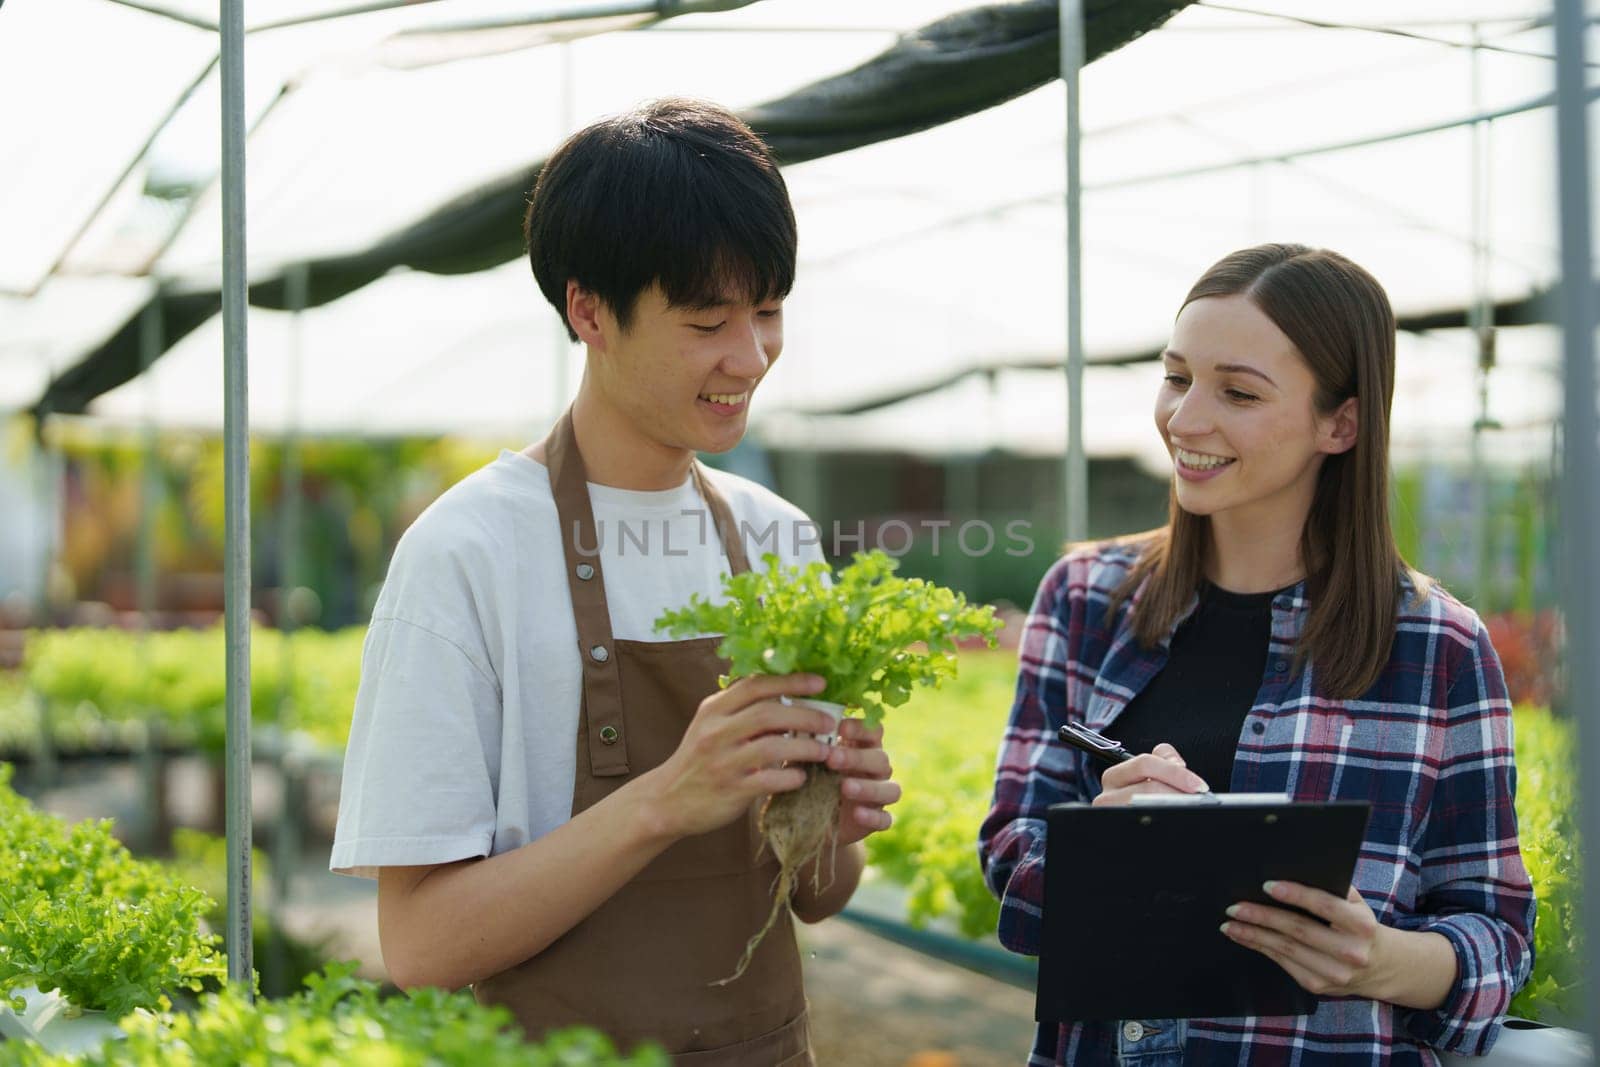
(1347, 957)
(1161, 771)
(1354, 955)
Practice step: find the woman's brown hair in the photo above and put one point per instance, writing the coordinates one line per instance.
(1340, 321)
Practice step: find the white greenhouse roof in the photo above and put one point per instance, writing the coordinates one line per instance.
(920, 257)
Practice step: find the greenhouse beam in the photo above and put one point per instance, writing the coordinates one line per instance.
(1580, 496)
(581, 11)
(169, 13)
(133, 164)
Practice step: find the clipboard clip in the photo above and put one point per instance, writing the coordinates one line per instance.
(1226, 800)
(1173, 800)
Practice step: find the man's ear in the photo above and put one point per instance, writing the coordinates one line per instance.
(1337, 432)
(584, 312)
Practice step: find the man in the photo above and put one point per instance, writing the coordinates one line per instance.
(560, 809)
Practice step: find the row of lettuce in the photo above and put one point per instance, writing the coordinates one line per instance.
(942, 744)
(87, 921)
(109, 689)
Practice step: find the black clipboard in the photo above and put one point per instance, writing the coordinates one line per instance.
(1134, 897)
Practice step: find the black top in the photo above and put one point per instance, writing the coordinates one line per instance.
(1200, 699)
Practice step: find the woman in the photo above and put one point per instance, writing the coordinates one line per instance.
(1270, 638)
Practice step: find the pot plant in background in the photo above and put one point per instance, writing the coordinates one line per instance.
(872, 636)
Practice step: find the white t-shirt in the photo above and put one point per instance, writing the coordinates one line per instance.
(465, 731)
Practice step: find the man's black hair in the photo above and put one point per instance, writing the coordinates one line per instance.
(676, 192)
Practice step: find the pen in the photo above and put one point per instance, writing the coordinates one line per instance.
(1100, 747)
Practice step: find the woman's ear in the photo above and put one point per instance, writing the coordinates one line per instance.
(584, 311)
(1337, 432)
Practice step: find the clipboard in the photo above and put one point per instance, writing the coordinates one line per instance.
(1134, 897)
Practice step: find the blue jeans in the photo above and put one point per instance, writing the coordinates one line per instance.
(1150, 1042)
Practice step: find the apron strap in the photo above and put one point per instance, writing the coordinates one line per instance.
(607, 741)
(727, 529)
(580, 544)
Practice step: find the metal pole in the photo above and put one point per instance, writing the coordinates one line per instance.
(1580, 491)
(236, 468)
(563, 350)
(286, 842)
(1481, 320)
(1077, 465)
(290, 505)
(150, 346)
(963, 498)
(48, 499)
(296, 289)
(152, 764)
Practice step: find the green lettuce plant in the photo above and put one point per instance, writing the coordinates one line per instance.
(284, 960)
(80, 915)
(97, 681)
(339, 1019)
(1547, 827)
(872, 636)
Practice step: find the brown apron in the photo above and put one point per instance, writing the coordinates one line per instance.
(644, 964)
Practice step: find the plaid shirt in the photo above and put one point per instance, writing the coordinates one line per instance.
(1429, 746)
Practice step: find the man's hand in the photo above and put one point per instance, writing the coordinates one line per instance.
(1162, 770)
(741, 745)
(865, 790)
(865, 786)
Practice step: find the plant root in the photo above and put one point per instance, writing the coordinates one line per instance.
(796, 826)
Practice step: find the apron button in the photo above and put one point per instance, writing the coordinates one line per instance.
(599, 653)
(608, 734)
(585, 571)
(1132, 1031)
